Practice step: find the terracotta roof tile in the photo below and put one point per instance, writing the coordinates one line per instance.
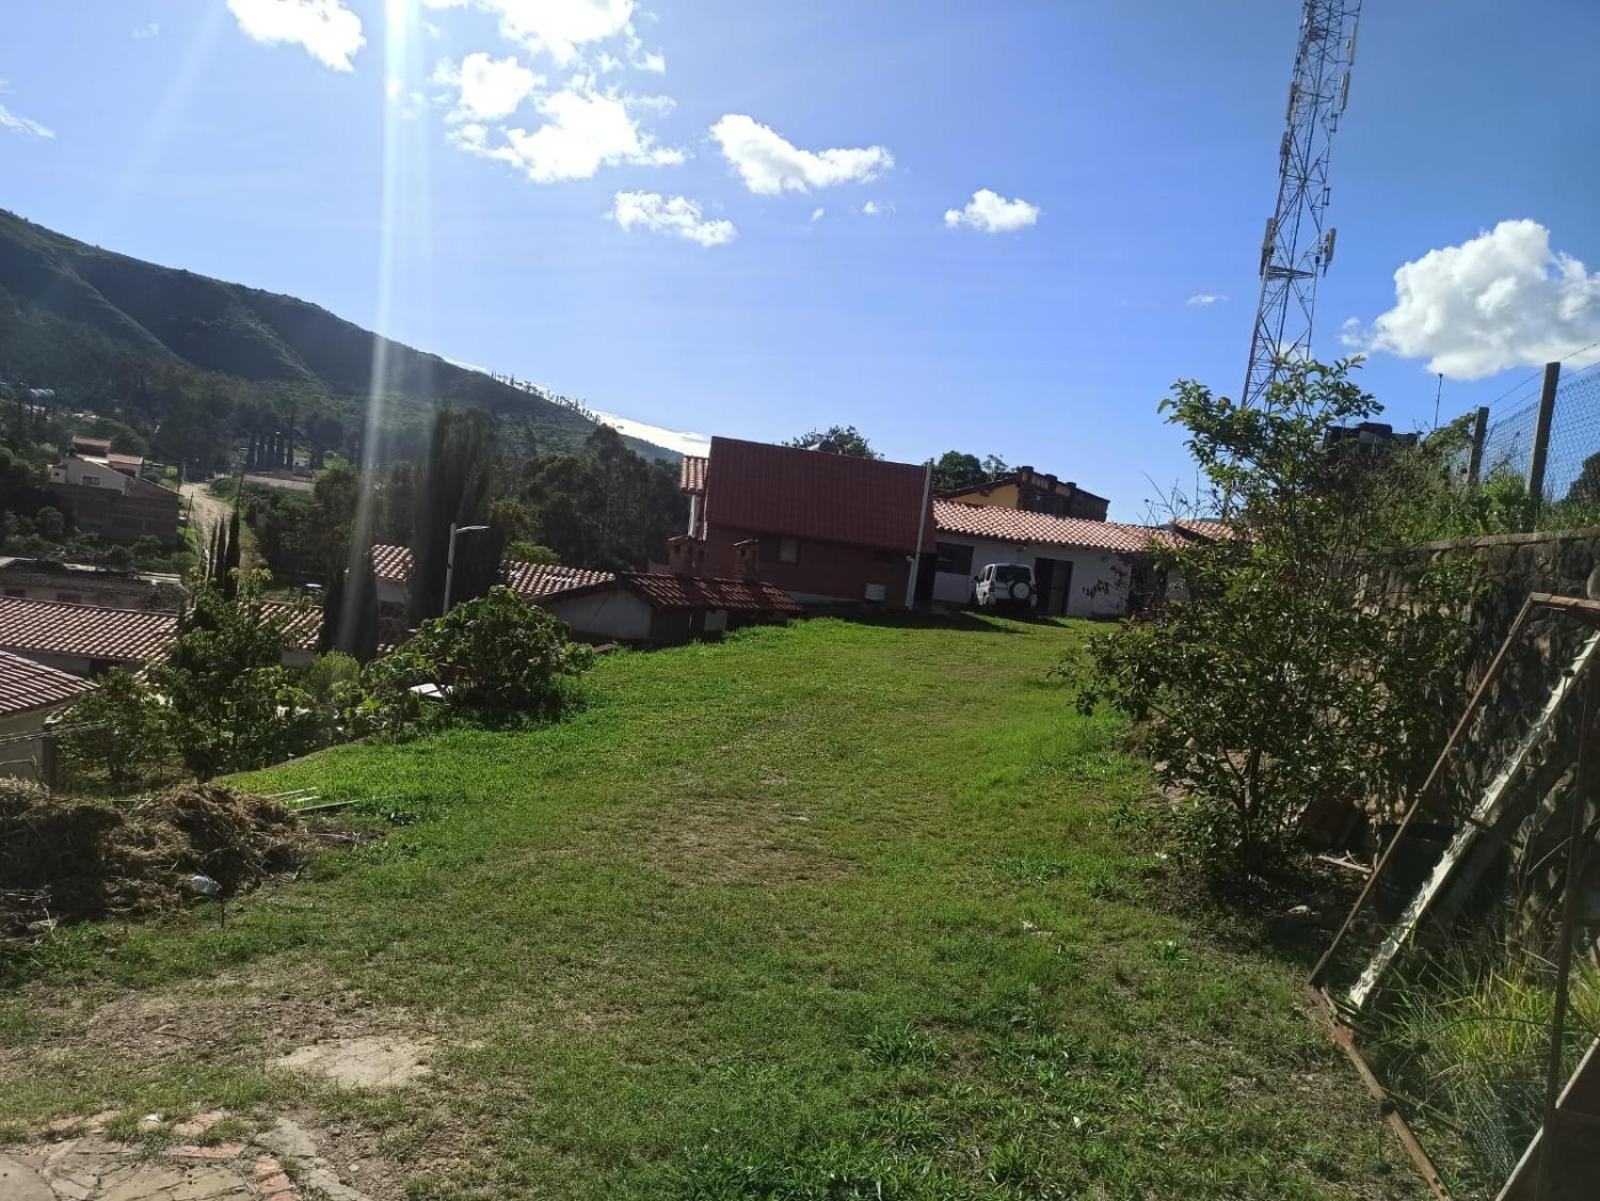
(26, 685)
(531, 580)
(392, 563)
(85, 631)
(703, 592)
(1016, 525)
(692, 475)
(301, 626)
(779, 490)
(1204, 531)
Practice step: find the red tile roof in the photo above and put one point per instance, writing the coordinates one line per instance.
(85, 631)
(392, 563)
(692, 475)
(1015, 525)
(301, 626)
(26, 685)
(1204, 531)
(532, 580)
(703, 592)
(779, 490)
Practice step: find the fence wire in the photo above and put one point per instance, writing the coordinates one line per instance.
(1572, 460)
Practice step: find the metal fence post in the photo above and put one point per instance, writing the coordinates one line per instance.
(1480, 431)
(1541, 431)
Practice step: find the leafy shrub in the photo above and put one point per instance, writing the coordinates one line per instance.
(1287, 667)
(497, 658)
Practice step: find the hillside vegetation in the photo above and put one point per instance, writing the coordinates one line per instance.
(844, 910)
(95, 325)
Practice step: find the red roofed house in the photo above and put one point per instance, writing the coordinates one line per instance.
(1083, 568)
(647, 609)
(827, 529)
(29, 693)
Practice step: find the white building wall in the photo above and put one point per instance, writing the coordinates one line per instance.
(611, 613)
(1100, 578)
(100, 474)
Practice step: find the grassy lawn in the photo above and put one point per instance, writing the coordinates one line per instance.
(843, 910)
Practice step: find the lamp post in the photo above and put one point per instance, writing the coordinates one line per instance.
(450, 559)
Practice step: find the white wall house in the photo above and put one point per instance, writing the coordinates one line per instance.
(1083, 568)
(89, 473)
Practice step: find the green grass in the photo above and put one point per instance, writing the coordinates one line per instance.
(842, 910)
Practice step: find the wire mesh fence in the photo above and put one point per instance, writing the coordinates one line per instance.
(1572, 453)
(1470, 979)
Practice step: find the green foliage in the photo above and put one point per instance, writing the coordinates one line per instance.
(455, 485)
(131, 739)
(232, 705)
(495, 658)
(953, 470)
(1295, 663)
(836, 440)
(604, 507)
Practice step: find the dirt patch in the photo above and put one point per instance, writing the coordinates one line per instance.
(737, 842)
(78, 1160)
(241, 1018)
(370, 1062)
(65, 859)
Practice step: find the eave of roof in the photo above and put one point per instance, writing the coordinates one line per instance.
(1021, 526)
(26, 685)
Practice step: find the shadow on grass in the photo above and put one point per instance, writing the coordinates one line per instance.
(952, 619)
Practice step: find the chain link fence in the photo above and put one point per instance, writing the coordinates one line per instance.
(1572, 449)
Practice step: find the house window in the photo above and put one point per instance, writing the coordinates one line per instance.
(91, 481)
(16, 592)
(954, 558)
(780, 550)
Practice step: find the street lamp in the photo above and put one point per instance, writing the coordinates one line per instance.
(450, 558)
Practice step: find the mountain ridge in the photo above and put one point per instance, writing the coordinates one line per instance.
(73, 315)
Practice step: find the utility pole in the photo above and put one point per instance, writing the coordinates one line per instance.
(450, 559)
(1297, 247)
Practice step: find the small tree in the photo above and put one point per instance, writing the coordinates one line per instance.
(1290, 668)
(129, 735)
(231, 704)
(497, 658)
(836, 440)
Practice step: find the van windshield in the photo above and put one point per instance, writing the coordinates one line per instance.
(1010, 573)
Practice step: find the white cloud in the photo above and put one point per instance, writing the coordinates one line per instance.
(1205, 298)
(992, 213)
(870, 208)
(23, 125)
(770, 164)
(817, 214)
(677, 216)
(147, 31)
(1503, 299)
(682, 441)
(487, 89)
(563, 29)
(329, 31)
(584, 132)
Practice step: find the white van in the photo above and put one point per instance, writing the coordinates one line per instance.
(1002, 586)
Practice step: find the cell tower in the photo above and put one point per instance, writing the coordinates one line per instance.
(1296, 248)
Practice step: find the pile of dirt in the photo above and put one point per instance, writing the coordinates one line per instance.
(66, 858)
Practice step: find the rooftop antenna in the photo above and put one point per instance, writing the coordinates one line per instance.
(1298, 245)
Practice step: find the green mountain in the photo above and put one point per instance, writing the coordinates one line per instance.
(86, 321)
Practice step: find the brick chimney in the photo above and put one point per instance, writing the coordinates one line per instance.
(747, 558)
(685, 555)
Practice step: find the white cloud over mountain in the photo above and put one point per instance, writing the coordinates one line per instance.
(1502, 299)
(992, 213)
(769, 164)
(23, 125)
(675, 216)
(328, 31)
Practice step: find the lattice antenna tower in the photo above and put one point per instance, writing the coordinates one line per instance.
(1298, 245)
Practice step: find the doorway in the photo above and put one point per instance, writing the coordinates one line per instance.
(1054, 578)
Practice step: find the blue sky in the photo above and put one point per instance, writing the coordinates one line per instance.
(642, 210)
